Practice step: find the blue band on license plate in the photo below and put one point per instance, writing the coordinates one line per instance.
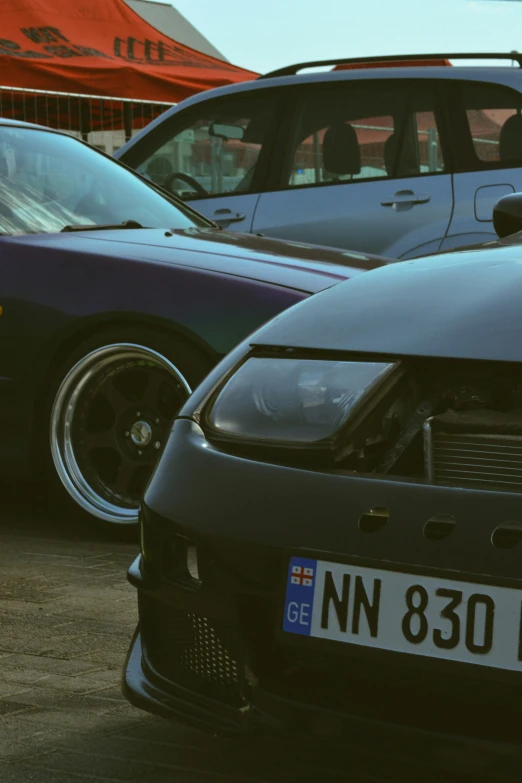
(300, 595)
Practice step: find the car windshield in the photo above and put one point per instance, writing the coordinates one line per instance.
(49, 181)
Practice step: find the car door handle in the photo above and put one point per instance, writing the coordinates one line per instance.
(227, 216)
(406, 197)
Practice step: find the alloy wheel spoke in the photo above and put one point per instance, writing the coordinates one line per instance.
(150, 457)
(150, 396)
(114, 396)
(163, 393)
(126, 473)
(99, 440)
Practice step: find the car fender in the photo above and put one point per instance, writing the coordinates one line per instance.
(51, 299)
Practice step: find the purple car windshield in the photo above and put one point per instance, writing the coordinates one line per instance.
(49, 181)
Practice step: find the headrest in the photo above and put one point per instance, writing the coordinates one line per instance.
(159, 167)
(510, 139)
(341, 154)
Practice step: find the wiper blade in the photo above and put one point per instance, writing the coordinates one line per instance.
(108, 227)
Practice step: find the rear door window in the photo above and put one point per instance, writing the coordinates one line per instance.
(362, 168)
(494, 122)
(356, 132)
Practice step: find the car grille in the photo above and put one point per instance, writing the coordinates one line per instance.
(192, 651)
(456, 454)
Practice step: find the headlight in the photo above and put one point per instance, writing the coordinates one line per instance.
(293, 401)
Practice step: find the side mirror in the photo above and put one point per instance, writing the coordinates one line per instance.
(226, 132)
(507, 215)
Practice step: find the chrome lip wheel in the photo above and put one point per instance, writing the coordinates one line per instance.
(109, 421)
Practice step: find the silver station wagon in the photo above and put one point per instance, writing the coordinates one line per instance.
(367, 155)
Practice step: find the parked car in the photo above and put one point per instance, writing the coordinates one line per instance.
(400, 161)
(105, 326)
(331, 541)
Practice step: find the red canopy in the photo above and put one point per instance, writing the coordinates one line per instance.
(101, 47)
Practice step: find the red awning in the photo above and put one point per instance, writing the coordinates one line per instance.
(101, 47)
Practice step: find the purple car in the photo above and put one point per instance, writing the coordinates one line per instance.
(116, 299)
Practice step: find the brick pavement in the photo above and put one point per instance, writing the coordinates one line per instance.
(66, 617)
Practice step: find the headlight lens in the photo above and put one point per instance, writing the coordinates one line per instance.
(293, 401)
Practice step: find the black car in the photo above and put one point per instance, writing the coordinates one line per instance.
(332, 540)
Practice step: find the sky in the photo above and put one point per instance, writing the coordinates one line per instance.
(266, 34)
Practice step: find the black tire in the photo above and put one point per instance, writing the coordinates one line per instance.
(106, 419)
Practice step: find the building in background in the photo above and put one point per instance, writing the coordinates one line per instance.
(169, 21)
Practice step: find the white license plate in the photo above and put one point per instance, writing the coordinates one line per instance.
(421, 615)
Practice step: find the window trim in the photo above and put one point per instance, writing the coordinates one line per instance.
(361, 180)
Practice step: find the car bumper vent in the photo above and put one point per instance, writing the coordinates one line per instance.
(193, 651)
(456, 455)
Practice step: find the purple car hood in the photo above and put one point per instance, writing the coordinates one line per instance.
(290, 264)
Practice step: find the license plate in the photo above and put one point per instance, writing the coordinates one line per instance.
(406, 613)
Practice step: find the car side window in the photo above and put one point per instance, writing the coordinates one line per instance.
(494, 117)
(214, 151)
(361, 132)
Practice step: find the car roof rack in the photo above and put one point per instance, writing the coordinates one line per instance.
(292, 70)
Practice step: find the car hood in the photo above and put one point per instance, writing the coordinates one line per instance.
(465, 305)
(290, 264)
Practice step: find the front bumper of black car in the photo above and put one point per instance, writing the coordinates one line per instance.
(209, 651)
(374, 747)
